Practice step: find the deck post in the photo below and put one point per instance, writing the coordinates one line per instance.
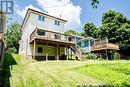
(71, 54)
(57, 52)
(66, 52)
(34, 48)
(100, 55)
(47, 51)
(106, 54)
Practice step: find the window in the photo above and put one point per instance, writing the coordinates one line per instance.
(57, 22)
(57, 36)
(41, 18)
(70, 38)
(78, 38)
(39, 49)
(41, 32)
(79, 44)
(86, 43)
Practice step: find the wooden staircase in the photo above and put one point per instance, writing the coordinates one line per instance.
(79, 53)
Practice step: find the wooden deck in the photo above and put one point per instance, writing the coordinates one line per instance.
(51, 37)
(56, 39)
(103, 45)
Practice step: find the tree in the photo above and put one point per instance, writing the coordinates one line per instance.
(116, 27)
(95, 3)
(12, 37)
(90, 30)
(71, 31)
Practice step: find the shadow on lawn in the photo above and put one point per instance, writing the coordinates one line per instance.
(5, 72)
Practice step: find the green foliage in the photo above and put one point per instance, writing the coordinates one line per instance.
(100, 59)
(116, 27)
(11, 50)
(71, 32)
(116, 56)
(95, 3)
(116, 75)
(90, 30)
(91, 56)
(12, 37)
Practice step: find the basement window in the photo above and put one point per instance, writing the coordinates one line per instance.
(39, 49)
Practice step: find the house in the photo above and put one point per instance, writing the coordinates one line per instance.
(101, 47)
(85, 44)
(43, 38)
(104, 49)
(2, 43)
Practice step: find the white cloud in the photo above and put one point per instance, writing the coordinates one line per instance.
(65, 8)
(22, 12)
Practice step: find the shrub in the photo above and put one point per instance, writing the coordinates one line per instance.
(91, 56)
(115, 56)
(11, 50)
(100, 59)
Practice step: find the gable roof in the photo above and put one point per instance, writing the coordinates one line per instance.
(29, 11)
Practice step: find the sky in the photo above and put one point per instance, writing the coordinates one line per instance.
(76, 12)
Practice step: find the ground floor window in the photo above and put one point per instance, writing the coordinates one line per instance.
(39, 49)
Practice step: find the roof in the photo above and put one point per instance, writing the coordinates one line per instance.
(37, 12)
(87, 38)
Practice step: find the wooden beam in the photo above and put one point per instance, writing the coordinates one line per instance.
(100, 55)
(66, 52)
(71, 54)
(34, 49)
(106, 54)
(46, 51)
(57, 52)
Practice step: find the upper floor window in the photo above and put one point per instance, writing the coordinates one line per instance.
(57, 22)
(41, 18)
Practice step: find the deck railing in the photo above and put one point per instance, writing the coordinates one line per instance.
(103, 44)
(50, 35)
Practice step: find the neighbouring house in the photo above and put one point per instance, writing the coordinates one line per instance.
(85, 44)
(104, 49)
(101, 47)
(43, 38)
(2, 43)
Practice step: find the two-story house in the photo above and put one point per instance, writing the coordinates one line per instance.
(43, 38)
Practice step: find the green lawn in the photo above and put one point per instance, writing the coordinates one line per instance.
(70, 73)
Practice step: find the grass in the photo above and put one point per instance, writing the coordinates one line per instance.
(50, 74)
(69, 73)
(117, 75)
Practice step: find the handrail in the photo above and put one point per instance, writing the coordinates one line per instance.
(105, 46)
(51, 35)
